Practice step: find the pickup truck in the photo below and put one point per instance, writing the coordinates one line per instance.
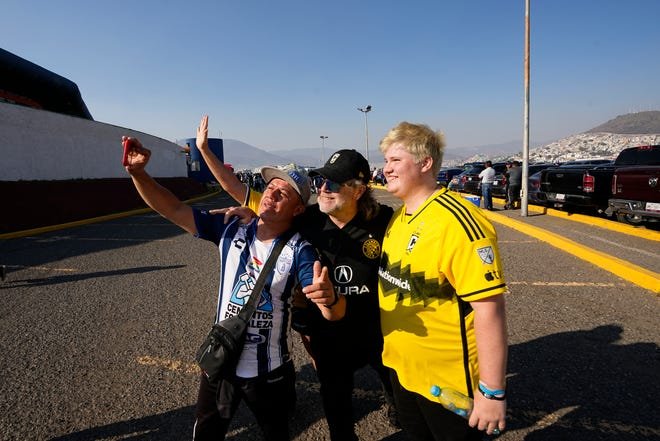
(636, 194)
(589, 187)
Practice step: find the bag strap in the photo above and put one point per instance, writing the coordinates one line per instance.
(251, 305)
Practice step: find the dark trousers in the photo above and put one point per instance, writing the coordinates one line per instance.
(270, 397)
(335, 366)
(513, 195)
(426, 420)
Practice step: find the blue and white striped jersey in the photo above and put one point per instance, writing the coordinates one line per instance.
(242, 256)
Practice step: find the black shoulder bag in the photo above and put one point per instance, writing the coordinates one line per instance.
(222, 347)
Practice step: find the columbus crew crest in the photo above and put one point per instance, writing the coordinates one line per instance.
(486, 255)
(411, 243)
(371, 248)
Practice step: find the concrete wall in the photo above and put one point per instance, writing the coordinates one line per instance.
(42, 145)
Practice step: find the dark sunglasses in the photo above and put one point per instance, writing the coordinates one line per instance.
(331, 186)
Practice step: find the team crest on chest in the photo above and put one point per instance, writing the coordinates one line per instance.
(414, 238)
(284, 261)
(486, 255)
(371, 248)
(412, 242)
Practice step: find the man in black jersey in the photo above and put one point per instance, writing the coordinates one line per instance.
(347, 227)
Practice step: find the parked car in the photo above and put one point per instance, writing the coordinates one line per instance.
(472, 182)
(588, 187)
(445, 175)
(534, 193)
(636, 194)
(470, 179)
(456, 183)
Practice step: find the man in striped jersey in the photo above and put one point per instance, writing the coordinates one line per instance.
(441, 297)
(265, 375)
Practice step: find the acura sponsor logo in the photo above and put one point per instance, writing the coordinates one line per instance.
(343, 274)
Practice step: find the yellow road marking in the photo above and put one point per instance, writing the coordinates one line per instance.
(41, 230)
(170, 365)
(619, 227)
(42, 268)
(553, 417)
(576, 284)
(103, 239)
(621, 268)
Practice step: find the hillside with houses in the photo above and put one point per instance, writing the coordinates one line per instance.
(604, 141)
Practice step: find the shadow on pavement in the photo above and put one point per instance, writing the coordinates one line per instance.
(77, 277)
(169, 426)
(584, 385)
(178, 424)
(123, 233)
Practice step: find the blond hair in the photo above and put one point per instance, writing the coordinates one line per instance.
(417, 139)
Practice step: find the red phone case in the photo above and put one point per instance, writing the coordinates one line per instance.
(127, 148)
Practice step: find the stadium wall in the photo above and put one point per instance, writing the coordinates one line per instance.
(42, 145)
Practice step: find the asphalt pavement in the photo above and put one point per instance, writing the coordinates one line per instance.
(99, 324)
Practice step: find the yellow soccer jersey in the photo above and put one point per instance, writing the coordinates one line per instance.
(252, 199)
(434, 262)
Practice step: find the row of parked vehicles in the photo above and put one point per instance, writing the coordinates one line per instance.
(627, 188)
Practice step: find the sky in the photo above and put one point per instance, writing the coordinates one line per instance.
(280, 74)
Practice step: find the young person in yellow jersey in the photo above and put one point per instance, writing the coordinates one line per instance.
(441, 298)
(346, 226)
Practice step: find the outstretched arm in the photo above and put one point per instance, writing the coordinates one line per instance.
(155, 195)
(228, 180)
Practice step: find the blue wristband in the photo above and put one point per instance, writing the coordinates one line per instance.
(497, 394)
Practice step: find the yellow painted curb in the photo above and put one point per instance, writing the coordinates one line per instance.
(602, 223)
(619, 227)
(107, 217)
(621, 268)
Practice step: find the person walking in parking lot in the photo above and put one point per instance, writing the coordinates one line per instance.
(441, 297)
(487, 177)
(514, 181)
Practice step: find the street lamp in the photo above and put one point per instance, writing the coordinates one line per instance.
(366, 110)
(323, 138)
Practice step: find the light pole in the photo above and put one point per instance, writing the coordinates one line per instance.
(366, 110)
(323, 138)
(525, 171)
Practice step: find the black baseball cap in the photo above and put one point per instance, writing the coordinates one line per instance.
(343, 166)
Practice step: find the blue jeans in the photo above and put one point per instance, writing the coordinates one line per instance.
(487, 194)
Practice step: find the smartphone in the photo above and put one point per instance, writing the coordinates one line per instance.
(128, 145)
